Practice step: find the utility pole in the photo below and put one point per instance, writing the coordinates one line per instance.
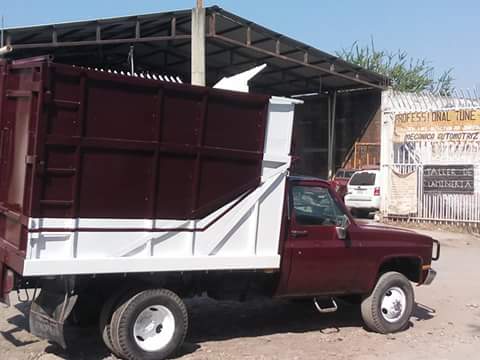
(198, 45)
(1, 35)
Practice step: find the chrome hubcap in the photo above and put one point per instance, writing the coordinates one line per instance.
(154, 328)
(393, 304)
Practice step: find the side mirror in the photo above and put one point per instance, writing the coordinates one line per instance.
(342, 229)
(341, 232)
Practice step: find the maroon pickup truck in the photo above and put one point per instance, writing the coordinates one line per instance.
(119, 196)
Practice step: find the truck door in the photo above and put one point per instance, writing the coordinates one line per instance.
(320, 262)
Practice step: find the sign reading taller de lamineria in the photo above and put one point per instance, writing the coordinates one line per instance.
(431, 157)
(448, 179)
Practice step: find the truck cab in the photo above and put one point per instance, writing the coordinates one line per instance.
(328, 254)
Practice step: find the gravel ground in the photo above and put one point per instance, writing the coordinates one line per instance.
(445, 325)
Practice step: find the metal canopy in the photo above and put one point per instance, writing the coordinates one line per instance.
(162, 43)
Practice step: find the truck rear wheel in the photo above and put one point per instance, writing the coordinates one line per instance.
(106, 313)
(151, 325)
(104, 322)
(390, 305)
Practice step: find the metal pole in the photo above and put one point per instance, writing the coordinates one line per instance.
(1, 36)
(332, 104)
(334, 118)
(329, 132)
(132, 60)
(198, 45)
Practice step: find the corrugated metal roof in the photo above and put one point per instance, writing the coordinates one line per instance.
(162, 45)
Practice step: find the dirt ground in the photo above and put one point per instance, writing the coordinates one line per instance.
(445, 325)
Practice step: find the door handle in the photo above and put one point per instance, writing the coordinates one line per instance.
(298, 233)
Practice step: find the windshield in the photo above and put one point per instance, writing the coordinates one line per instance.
(363, 179)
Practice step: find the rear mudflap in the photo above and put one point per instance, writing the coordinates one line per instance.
(6, 279)
(48, 314)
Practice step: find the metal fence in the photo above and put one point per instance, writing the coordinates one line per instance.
(403, 162)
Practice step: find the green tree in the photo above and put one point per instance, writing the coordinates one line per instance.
(405, 72)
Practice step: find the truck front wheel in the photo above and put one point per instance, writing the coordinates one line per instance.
(390, 305)
(150, 326)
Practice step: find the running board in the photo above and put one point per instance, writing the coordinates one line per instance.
(327, 310)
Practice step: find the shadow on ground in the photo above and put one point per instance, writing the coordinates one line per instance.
(213, 321)
(422, 312)
(217, 321)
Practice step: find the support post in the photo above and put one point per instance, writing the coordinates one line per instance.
(198, 45)
(332, 104)
(2, 42)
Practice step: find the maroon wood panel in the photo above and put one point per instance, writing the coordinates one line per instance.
(112, 146)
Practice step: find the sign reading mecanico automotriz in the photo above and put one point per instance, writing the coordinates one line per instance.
(449, 125)
(448, 179)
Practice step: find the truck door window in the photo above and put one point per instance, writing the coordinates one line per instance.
(314, 206)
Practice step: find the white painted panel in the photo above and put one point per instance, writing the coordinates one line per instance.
(243, 234)
(51, 245)
(148, 264)
(270, 218)
(279, 127)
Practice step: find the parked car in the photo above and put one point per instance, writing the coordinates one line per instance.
(363, 192)
(118, 224)
(340, 181)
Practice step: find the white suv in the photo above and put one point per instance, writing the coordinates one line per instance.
(363, 192)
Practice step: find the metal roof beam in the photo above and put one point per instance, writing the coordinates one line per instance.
(218, 52)
(70, 32)
(310, 78)
(221, 70)
(172, 24)
(299, 62)
(257, 60)
(100, 42)
(30, 36)
(293, 67)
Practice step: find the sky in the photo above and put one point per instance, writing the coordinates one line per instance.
(444, 32)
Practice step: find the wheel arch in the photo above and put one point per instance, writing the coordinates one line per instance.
(408, 265)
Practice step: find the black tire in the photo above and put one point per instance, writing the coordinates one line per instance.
(375, 317)
(123, 300)
(124, 318)
(109, 306)
(104, 322)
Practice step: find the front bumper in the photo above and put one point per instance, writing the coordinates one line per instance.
(431, 274)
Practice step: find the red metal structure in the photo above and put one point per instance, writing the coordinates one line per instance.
(172, 151)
